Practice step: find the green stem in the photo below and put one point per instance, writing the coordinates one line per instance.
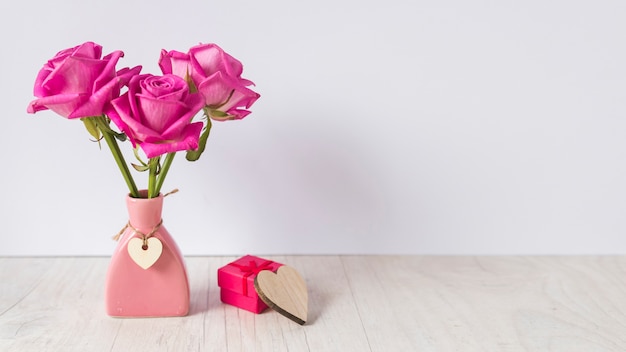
(166, 166)
(153, 165)
(119, 158)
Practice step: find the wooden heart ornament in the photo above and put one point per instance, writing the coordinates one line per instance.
(145, 255)
(285, 292)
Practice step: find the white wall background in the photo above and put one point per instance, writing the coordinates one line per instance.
(437, 127)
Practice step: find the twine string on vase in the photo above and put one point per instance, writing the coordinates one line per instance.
(144, 237)
(170, 192)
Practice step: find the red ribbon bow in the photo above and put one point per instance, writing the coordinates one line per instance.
(251, 269)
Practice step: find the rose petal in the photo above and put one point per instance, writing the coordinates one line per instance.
(39, 90)
(207, 59)
(238, 114)
(108, 72)
(157, 125)
(113, 110)
(159, 114)
(188, 141)
(88, 50)
(194, 104)
(94, 106)
(174, 62)
(121, 113)
(62, 104)
(167, 87)
(204, 61)
(242, 96)
(74, 75)
(217, 88)
(125, 74)
(77, 83)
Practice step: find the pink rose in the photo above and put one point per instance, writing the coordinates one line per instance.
(156, 114)
(217, 76)
(78, 83)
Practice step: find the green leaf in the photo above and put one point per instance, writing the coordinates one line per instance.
(219, 114)
(194, 155)
(158, 165)
(91, 127)
(105, 127)
(140, 168)
(138, 157)
(120, 136)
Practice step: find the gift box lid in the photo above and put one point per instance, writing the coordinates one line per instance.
(279, 286)
(239, 275)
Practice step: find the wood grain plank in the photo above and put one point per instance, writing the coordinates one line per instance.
(383, 293)
(214, 327)
(334, 323)
(491, 303)
(63, 303)
(356, 303)
(18, 277)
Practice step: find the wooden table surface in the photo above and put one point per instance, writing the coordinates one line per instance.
(356, 303)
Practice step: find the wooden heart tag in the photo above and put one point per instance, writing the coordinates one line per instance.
(285, 292)
(146, 256)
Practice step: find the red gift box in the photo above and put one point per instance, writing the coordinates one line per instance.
(236, 281)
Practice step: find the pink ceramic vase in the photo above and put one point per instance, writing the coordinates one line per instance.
(162, 289)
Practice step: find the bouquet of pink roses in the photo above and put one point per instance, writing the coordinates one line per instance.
(156, 113)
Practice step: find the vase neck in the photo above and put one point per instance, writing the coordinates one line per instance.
(143, 213)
